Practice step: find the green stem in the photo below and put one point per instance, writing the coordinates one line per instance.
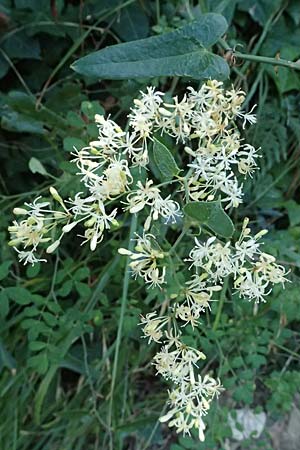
(221, 303)
(121, 320)
(285, 349)
(267, 60)
(261, 59)
(270, 22)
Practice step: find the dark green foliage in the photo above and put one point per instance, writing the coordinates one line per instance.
(59, 320)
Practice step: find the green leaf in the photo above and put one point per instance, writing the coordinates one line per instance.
(237, 362)
(164, 161)
(71, 142)
(42, 391)
(255, 360)
(4, 269)
(32, 271)
(75, 120)
(65, 289)
(20, 295)
(83, 289)
(4, 304)
(89, 109)
(199, 211)
(37, 345)
(212, 215)
(132, 23)
(260, 10)
(50, 319)
(271, 135)
(294, 11)
(244, 393)
(6, 359)
(19, 45)
(82, 273)
(293, 210)
(37, 167)
(220, 223)
(14, 121)
(39, 362)
(182, 52)
(187, 442)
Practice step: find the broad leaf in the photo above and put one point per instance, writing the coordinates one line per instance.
(132, 23)
(14, 121)
(200, 211)
(165, 163)
(220, 223)
(212, 215)
(182, 52)
(19, 45)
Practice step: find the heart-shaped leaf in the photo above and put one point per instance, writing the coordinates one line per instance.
(183, 52)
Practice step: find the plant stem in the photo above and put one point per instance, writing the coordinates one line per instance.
(267, 60)
(261, 59)
(221, 303)
(121, 320)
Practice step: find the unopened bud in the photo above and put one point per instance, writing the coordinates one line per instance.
(55, 194)
(13, 242)
(53, 246)
(93, 243)
(260, 234)
(124, 251)
(69, 227)
(164, 112)
(20, 211)
(246, 221)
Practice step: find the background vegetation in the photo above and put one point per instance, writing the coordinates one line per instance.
(59, 320)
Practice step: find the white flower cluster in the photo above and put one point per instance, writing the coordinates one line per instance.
(204, 121)
(212, 157)
(144, 261)
(191, 395)
(197, 297)
(149, 195)
(254, 272)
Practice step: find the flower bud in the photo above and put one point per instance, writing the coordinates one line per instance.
(69, 227)
(124, 251)
(93, 243)
(20, 211)
(53, 246)
(55, 194)
(14, 242)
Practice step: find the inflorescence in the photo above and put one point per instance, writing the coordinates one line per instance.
(214, 158)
